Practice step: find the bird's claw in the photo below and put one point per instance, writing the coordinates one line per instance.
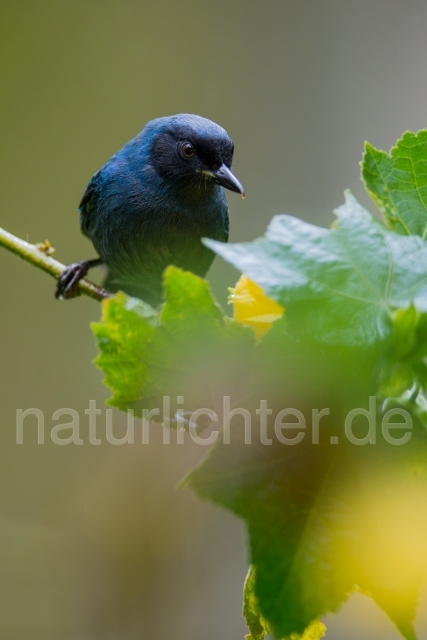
(68, 282)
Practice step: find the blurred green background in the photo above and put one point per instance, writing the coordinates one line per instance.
(95, 541)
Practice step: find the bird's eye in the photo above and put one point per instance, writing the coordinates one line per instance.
(187, 150)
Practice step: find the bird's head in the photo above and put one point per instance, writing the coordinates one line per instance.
(192, 151)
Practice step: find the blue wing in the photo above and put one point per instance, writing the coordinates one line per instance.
(87, 205)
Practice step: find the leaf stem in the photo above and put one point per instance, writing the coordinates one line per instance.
(31, 253)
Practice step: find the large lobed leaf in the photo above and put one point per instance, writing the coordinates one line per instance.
(339, 285)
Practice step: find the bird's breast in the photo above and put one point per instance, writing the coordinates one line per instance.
(144, 235)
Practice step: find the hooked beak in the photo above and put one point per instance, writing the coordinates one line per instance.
(226, 179)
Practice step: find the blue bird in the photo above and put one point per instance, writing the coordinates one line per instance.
(149, 206)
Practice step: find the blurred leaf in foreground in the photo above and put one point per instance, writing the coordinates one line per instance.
(187, 349)
(324, 521)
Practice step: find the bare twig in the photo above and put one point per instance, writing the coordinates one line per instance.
(41, 259)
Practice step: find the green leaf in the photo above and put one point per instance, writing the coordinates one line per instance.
(397, 182)
(340, 285)
(187, 349)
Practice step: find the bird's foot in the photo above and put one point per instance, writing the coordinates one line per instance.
(68, 283)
